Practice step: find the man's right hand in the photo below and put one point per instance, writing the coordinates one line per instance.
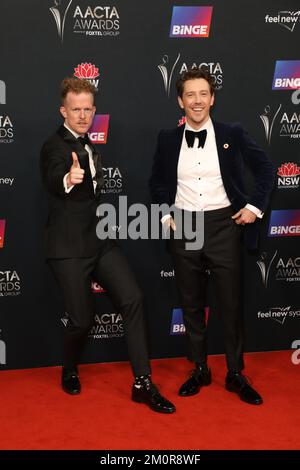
(76, 173)
(169, 223)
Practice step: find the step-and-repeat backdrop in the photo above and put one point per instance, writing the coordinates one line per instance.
(133, 51)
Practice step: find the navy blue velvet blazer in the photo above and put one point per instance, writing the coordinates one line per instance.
(235, 148)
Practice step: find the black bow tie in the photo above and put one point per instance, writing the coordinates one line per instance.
(84, 140)
(190, 137)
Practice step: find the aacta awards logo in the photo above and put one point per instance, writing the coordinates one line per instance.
(9, 283)
(88, 72)
(97, 21)
(107, 325)
(2, 92)
(2, 232)
(167, 69)
(59, 11)
(6, 130)
(268, 118)
(288, 174)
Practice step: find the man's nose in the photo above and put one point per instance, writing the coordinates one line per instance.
(82, 114)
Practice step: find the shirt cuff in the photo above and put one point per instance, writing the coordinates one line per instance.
(165, 217)
(255, 210)
(67, 190)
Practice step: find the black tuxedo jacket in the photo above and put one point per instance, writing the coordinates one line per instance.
(235, 147)
(71, 224)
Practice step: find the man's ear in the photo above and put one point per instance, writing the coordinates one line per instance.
(180, 102)
(62, 110)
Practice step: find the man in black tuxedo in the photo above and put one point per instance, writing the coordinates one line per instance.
(72, 173)
(198, 168)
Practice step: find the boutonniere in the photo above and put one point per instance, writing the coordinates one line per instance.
(226, 146)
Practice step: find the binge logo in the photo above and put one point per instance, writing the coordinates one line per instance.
(191, 22)
(2, 232)
(2, 92)
(285, 223)
(177, 325)
(286, 75)
(99, 130)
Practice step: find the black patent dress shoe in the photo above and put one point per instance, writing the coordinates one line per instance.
(148, 393)
(70, 382)
(239, 384)
(200, 377)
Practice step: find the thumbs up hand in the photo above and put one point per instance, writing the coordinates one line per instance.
(76, 173)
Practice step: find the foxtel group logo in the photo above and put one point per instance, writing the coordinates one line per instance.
(286, 75)
(87, 71)
(99, 130)
(288, 176)
(177, 325)
(284, 223)
(2, 232)
(190, 22)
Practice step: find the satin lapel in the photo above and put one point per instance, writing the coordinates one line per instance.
(174, 151)
(222, 147)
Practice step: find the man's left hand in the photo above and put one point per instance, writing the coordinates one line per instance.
(244, 216)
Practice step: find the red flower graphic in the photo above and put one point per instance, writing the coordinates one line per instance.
(181, 121)
(288, 169)
(86, 70)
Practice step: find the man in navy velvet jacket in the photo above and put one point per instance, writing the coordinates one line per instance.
(198, 168)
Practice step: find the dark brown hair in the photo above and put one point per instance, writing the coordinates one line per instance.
(192, 74)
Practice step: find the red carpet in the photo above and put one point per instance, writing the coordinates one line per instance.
(36, 414)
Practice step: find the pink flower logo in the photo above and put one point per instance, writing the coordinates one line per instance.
(288, 169)
(181, 121)
(86, 70)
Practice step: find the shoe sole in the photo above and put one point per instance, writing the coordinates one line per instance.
(77, 392)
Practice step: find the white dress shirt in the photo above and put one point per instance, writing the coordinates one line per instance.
(91, 163)
(199, 181)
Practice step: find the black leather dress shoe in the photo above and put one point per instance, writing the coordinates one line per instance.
(148, 393)
(199, 377)
(239, 384)
(70, 382)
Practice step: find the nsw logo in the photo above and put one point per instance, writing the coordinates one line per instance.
(288, 175)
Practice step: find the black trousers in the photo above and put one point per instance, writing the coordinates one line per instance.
(113, 273)
(221, 254)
